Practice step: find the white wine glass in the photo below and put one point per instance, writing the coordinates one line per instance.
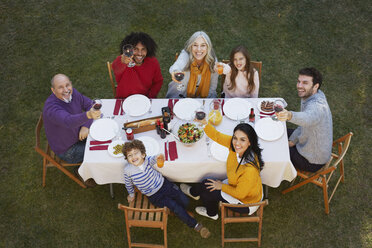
(128, 51)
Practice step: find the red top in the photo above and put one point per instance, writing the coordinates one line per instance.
(145, 79)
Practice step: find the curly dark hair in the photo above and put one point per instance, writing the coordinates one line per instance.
(253, 149)
(314, 73)
(135, 144)
(139, 37)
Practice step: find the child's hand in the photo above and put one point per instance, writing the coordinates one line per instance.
(130, 198)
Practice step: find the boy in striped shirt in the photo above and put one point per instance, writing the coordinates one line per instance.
(139, 172)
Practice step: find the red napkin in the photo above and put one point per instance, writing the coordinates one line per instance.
(170, 105)
(263, 115)
(96, 142)
(96, 148)
(173, 150)
(117, 106)
(223, 102)
(165, 151)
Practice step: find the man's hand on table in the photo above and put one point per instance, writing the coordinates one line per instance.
(83, 133)
(93, 114)
(214, 185)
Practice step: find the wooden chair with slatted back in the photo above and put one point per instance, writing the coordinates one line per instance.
(50, 159)
(112, 82)
(323, 176)
(256, 64)
(229, 216)
(141, 213)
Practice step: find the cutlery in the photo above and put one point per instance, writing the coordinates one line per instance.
(207, 142)
(150, 111)
(171, 134)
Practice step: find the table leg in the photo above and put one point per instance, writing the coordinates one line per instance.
(112, 190)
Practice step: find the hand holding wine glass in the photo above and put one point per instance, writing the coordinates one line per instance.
(128, 51)
(178, 77)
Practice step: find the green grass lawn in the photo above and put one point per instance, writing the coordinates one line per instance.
(41, 38)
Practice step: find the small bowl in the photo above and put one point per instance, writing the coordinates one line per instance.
(177, 127)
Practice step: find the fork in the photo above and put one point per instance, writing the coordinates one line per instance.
(150, 111)
(207, 142)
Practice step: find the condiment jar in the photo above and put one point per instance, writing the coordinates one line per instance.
(130, 134)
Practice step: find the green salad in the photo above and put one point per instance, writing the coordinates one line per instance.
(189, 133)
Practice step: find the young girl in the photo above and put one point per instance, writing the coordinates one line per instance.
(139, 172)
(243, 80)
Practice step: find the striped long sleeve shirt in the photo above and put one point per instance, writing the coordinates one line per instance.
(148, 181)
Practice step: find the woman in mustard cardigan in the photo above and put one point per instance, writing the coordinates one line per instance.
(243, 167)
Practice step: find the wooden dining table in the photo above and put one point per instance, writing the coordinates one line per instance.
(195, 162)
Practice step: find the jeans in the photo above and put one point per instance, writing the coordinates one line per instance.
(211, 199)
(298, 161)
(75, 154)
(170, 196)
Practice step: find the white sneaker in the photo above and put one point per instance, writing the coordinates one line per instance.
(186, 190)
(203, 211)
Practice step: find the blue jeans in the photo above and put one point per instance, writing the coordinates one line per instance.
(75, 154)
(170, 196)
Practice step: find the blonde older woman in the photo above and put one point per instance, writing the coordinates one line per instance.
(198, 63)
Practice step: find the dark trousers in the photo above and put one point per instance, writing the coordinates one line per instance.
(170, 196)
(211, 199)
(298, 161)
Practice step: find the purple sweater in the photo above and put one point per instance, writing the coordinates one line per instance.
(62, 121)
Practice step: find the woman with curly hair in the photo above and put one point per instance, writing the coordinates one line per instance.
(198, 63)
(145, 77)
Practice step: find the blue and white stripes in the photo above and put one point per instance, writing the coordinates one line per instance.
(148, 181)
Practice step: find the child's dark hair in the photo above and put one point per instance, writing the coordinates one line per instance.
(135, 144)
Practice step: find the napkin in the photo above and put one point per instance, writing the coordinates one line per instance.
(117, 106)
(263, 115)
(173, 150)
(97, 148)
(170, 105)
(223, 102)
(96, 142)
(165, 151)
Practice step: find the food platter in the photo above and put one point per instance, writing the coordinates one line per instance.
(111, 148)
(265, 111)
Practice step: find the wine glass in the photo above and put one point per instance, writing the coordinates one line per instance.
(179, 76)
(278, 107)
(97, 104)
(219, 68)
(128, 51)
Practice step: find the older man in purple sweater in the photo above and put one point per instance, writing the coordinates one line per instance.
(67, 117)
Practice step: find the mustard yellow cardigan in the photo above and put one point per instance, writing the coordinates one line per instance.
(245, 183)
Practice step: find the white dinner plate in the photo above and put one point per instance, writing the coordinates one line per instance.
(268, 129)
(259, 106)
(151, 145)
(219, 152)
(111, 148)
(103, 129)
(136, 105)
(185, 108)
(237, 108)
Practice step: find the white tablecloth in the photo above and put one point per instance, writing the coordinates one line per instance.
(193, 163)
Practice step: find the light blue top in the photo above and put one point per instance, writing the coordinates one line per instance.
(146, 179)
(313, 137)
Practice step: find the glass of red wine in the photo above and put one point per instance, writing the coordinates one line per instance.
(128, 51)
(97, 105)
(278, 107)
(179, 77)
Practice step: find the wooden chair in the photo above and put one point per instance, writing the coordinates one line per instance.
(322, 177)
(112, 82)
(50, 159)
(229, 216)
(141, 213)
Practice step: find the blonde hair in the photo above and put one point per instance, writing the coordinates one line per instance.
(210, 57)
